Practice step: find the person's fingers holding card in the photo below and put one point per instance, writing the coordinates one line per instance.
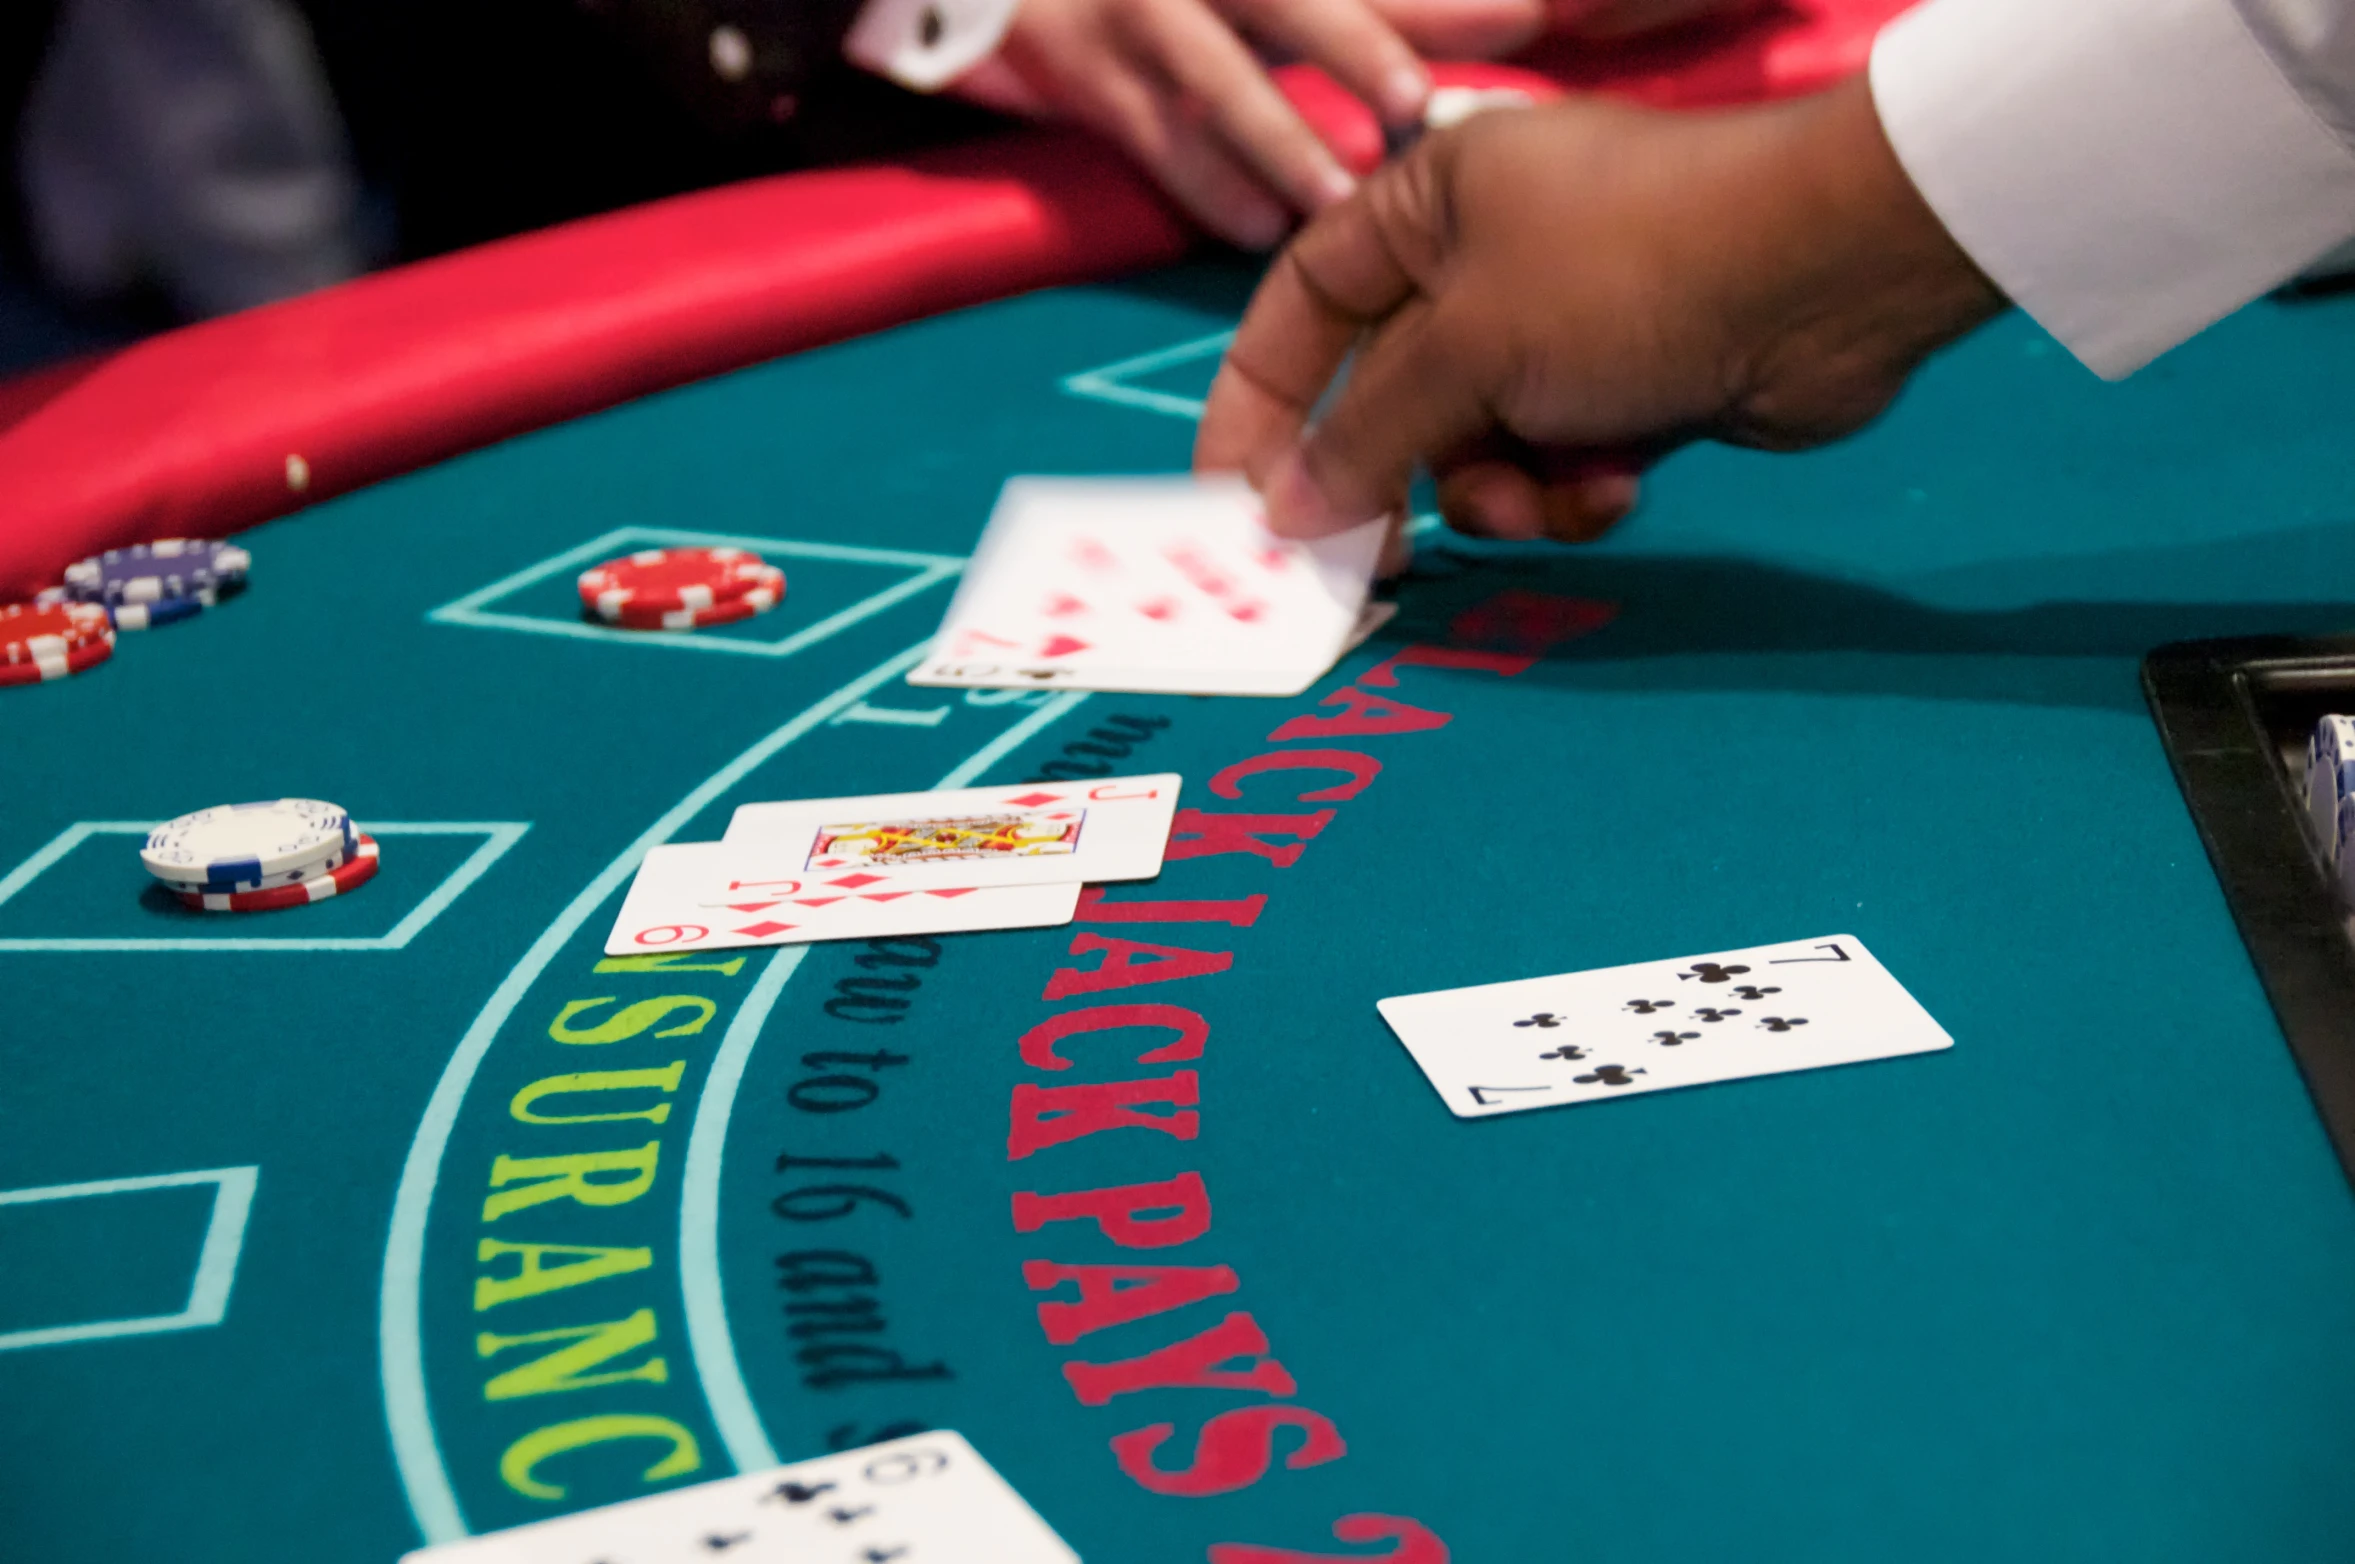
(1157, 585)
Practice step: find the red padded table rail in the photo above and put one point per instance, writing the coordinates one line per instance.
(215, 427)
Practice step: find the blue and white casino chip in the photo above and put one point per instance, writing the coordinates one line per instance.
(154, 572)
(141, 616)
(244, 847)
(2330, 778)
(2344, 871)
(267, 882)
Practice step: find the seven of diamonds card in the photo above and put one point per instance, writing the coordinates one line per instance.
(1655, 1025)
(1153, 584)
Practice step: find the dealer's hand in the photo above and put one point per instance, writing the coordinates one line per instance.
(1175, 83)
(1541, 300)
(1488, 29)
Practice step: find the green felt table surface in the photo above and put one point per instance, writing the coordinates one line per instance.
(2081, 1288)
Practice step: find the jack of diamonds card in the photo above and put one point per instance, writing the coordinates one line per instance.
(1656, 1025)
(1035, 833)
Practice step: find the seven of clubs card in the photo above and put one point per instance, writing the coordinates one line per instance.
(1618, 1031)
(1172, 585)
(926, 1499)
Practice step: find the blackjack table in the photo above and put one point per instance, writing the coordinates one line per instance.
(412, 1214)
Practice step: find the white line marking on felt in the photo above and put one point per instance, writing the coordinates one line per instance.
(216, 1258)
(709, 1340)
(408, 1415)
(1005, 743)
(400, 1344)
(498, 836)
(1103, 384)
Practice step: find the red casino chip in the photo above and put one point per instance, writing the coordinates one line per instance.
(354, 872)
(671, 580)
(37, 632)
(49, 662)
(757, 601)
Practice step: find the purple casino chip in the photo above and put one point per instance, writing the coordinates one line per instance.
(156, 572)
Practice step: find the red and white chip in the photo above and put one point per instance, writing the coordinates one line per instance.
(47, 632)
(349, 875)
(673, 580)
(51, 664)
(757, 601)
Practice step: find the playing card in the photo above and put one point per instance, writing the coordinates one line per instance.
(926, 1499)
(1370, 618)
(1023, 833)
(1619, 1031)
(1168, 585)
(714, 895)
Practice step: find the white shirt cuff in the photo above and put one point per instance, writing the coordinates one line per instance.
(2128, 171)
(926, 44)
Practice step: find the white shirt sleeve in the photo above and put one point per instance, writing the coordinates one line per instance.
(2128, 171)
(926, 44)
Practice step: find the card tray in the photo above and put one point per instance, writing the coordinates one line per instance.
(2234, 716)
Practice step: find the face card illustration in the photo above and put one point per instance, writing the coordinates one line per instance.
(719, 895)
(957, 839)
(1029, 833)
(925, 1499)
(1148, 584)
(1653, 1026)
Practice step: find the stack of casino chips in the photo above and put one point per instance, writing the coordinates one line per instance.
(2330, 785)
(71, 627)
(44, 641)
(159, 583)
(681, 588)
(260, 857)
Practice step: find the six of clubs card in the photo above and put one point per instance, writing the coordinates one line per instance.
(1619, 1031)
(1170, 585)
(926, 1499)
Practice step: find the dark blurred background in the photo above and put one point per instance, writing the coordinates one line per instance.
(170, 160)
(33, 329)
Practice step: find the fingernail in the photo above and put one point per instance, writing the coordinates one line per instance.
(1296, 507)
(1612, 494)
(1335, 184)
(1404, 92)
(1259, 227)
